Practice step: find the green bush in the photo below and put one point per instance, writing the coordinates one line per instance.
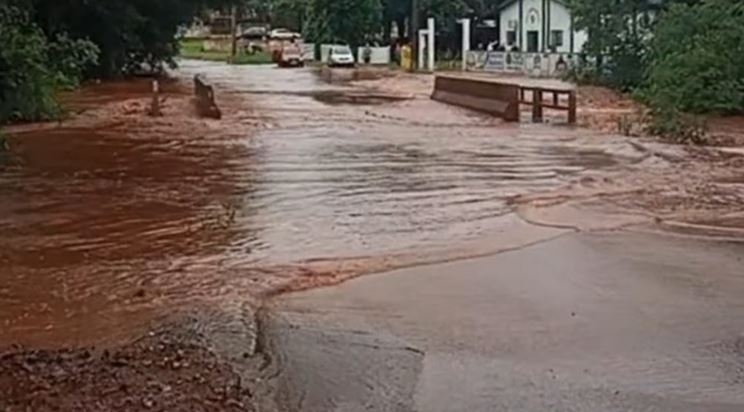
(27, 84)
(697, 59)
(678, 127)
(32, 69)
(70, 58)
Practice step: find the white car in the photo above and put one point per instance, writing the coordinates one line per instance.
(284, 34)
(340, 56)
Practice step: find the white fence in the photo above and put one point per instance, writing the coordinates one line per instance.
(529, 64)
(308, 51)
(379, 55)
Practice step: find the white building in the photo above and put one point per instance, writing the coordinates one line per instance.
(539, 26)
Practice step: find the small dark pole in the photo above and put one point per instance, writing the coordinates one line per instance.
(233, 34)
(414, 33)
(537, 105)
(572, 107)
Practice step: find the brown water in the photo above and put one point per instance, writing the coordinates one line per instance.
(119, 219)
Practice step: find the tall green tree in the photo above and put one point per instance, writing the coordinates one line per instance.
(33, 67)
(696, 58)
(348, 21)
(129, 33)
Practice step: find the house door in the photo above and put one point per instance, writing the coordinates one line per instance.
(532, 41)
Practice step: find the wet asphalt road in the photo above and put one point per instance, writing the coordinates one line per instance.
(616, 322)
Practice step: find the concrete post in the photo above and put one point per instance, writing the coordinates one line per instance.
(465, 42)
(422, 44)
(430, 46)
(155, 104)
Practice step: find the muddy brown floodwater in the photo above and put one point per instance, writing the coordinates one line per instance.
(115, 219)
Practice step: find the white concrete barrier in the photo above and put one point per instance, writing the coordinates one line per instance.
(379, 55)
(308, 51)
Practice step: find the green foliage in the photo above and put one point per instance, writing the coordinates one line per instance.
(132, 35)
(682, 59)
(617, 30)
(52, 44)
(343, 21)
(704, 73)
(678, 127)
(27, 84)
(70, 58)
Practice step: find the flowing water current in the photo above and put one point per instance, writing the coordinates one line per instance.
(107, 226)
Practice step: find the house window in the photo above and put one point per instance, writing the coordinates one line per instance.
(556, 38)
(511, 37)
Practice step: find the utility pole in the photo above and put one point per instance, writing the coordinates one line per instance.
(233, 34)
(413, 31)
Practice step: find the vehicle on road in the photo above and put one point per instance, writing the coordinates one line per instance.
(341, 56)
(291, 56)
(284, 34)
(255, 33)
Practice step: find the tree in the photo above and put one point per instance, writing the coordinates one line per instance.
(32, 68)
(347, 21)
(129, 33)
(49, 44)
(705, 72)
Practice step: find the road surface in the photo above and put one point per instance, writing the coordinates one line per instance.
(603, 322)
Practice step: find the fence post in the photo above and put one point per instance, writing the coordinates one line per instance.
(465, 43)
(537, 108)
(572, 107)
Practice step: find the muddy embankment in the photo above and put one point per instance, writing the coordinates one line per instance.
(112, 225)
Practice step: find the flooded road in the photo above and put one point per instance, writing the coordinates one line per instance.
(115, 220)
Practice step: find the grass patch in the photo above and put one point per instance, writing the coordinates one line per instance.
(194, 49)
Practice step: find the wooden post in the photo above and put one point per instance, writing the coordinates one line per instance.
(555, 99)
(537, 105)
(572, 107)
(155, 104)
(233, 34)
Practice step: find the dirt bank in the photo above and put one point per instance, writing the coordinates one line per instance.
(169, 370)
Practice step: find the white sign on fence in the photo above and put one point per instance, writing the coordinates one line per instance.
(529, 64)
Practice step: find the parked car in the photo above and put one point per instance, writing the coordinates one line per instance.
(255, 33)
(291, 56)
(284, 34)
(340, 56)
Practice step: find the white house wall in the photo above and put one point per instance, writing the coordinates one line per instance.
(558, 17)
(530, 7)
(580, 38)
(508, 14)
